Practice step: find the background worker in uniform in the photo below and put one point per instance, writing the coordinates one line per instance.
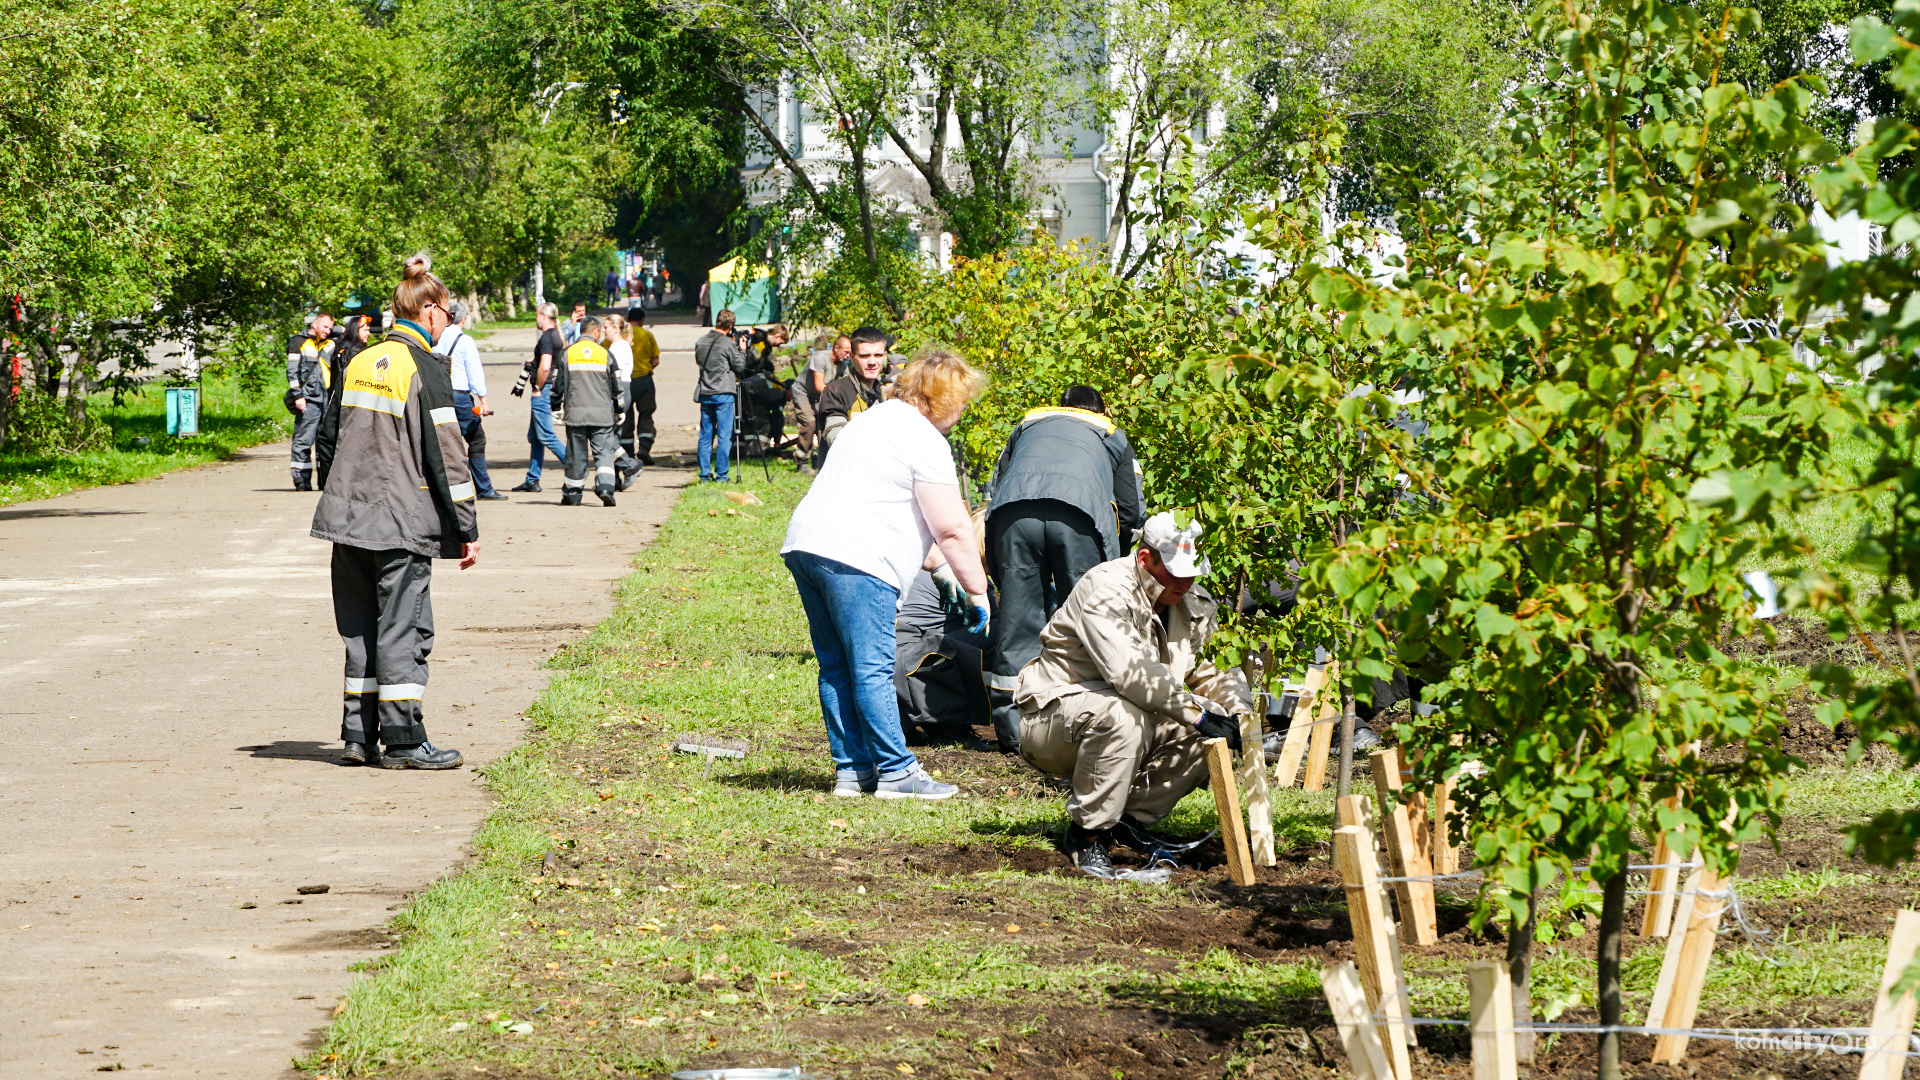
(588, 386)
(1120, 700)
(395, 496)
(308, 376)
(636, 422)
(1065, 498)
(856, 391)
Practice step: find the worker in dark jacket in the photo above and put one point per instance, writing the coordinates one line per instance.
(858, 390)
(721, 363)
(588, 386)
(1065, 498)
(395, 495)
(308, 358)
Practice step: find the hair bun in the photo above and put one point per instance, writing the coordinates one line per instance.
(417, 265)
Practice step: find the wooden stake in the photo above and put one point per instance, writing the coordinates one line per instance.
(1358, 810)
(1299, 729)
(1350, 1012)
(1373, 942)
(1670, 963)
(1694, 947)
(1352, 810)
(1321, 744)
(1490, 994)
(1226, 801)
(1661, 883)
(1446, 857)
(1419, 922)
(1253, 774)
(1892, 1019)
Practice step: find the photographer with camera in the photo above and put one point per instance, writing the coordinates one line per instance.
(1120, 700)
(538, 373)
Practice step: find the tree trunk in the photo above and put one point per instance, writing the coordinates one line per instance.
(6, 392)
(1519, 959)
(1613, 913)
(80, 382)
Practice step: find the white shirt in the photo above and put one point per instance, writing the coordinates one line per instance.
(468, 374)
(860, 510)
(622, 353)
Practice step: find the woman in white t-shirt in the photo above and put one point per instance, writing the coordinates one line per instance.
(619, 345)
(886, 504)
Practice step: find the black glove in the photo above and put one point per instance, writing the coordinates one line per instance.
(1214, 725)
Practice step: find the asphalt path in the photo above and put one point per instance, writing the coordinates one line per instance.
(173, 709)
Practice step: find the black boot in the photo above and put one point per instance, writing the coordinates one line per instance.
(302, 481)
(420, 756)
(358, 754)
(571, 497)
(606, 495)
(1088, 851)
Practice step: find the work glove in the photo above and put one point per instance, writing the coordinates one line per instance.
(1215, 725)
(981, 617)
(952, 596)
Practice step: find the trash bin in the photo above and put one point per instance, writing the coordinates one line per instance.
(183, 410)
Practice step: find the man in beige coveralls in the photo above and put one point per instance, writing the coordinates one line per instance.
(1120, 700)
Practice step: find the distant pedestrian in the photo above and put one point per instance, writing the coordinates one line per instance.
(636, 427)
(591, 394)
(805, 396)
(659, 289)
(570, 330)
(613, 286)
(617, 336)
(309, 357)
(721, 364)
(469, 395)
(548, 351)
(706, 304)
(395, 495)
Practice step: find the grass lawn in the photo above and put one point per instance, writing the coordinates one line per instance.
(230, 419)
(629, 912)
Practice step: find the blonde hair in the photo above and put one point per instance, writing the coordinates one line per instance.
(621, 329)
(418, 288)
(937, 382)
(550, 309)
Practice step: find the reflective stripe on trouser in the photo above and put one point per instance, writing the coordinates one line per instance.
(1119, 757)
(306, 428)
(384, 612)
(598, 445)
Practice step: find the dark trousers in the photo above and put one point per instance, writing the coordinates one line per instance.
(596, 444)
(384, 613)
(636, 424)
(1037, 551)
(306, 428)
(472, 430)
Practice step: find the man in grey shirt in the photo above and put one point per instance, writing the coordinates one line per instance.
(721, 363)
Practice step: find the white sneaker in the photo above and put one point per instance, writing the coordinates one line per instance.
(915, 785)
(853, 787)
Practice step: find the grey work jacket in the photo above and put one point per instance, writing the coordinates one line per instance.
(587, 385)
(1075, 457)
(1108, 636)
(721, 363)
(393, 467)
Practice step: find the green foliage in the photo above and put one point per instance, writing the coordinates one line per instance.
(1881, 316)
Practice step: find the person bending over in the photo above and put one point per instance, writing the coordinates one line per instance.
(1120, 701)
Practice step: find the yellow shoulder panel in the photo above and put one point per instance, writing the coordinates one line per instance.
(378, 378)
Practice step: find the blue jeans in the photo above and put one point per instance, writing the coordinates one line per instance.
(540, 434)
(476, 436)
(716, 419)
(850, 618)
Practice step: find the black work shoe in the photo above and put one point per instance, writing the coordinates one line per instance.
(528, 485)
(420, 756)
(357, 754)
(606, 496)
(571, 497)
(492, 495)
(1088, 851)
(646, 457)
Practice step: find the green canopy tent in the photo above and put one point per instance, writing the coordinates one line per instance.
(749, 291)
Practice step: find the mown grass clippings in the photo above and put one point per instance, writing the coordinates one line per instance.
(631, 910)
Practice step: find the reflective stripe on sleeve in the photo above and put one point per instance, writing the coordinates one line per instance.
(362, 399)
(461, 492)
(442, 416)
(403, 691)
(362, 686)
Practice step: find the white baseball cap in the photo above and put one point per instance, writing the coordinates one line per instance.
(1175, 545)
